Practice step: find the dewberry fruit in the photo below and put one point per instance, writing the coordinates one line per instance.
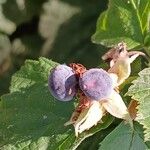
(62, 83)
(96, 84)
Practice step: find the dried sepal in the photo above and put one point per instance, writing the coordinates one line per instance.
(122, 69)
(90, 111)
(88, 117)
(113, 54)
(84, 103)
(122, 66)
(115, 105)
(120, 59)
(79, 69)
(134, 54)
(114, 78)
(87, 114)
(132, 108)
(117, 108)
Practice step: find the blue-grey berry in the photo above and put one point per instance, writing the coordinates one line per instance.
(62, 83)
(96, 84)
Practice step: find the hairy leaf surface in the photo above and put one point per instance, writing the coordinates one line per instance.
(30, 118)
(140, 91)
(124, 138)
(124, 20)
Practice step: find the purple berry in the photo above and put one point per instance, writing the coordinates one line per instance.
(62, 83)
(96, 84)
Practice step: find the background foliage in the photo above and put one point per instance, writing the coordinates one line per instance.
(29, 29)
(61, 30)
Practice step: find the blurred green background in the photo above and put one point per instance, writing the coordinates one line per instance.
(60, 30)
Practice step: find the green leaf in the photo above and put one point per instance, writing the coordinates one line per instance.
(32, 72)
(123, 138)
(72, 143)
(92, 143)
(30, 118)
(140, 91)
(124, 20)
(147, 40)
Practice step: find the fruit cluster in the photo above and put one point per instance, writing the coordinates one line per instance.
(65, 82)
(97, 89)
